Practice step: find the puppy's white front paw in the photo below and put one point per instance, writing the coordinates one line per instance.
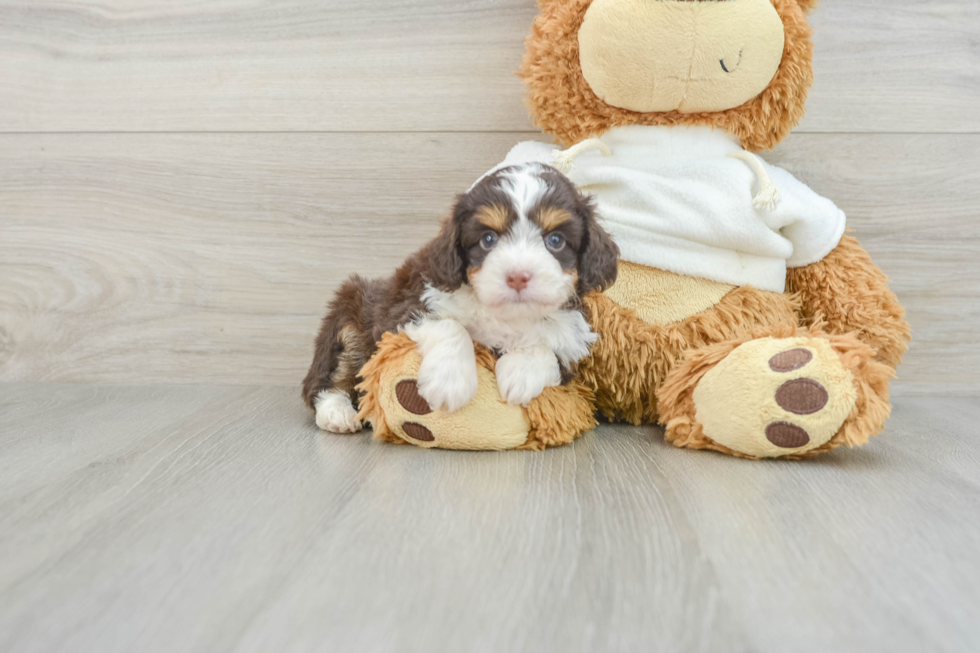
(335, 413)
(523, 375)
(447, 381)
(447, 377)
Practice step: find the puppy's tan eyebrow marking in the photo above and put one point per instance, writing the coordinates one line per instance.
(550, 217)
(493, 216)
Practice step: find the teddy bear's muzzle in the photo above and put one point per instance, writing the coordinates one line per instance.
(629, 51)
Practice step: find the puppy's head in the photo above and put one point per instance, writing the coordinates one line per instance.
(526, 241)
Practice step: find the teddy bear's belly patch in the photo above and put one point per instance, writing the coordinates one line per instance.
(660, 297)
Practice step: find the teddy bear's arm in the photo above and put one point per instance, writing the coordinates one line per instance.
(849, 293)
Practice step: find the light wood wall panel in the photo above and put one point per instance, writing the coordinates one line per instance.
(209, 258)
(401, 65)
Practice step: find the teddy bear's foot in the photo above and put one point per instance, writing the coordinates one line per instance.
(777, 397)
(486, 422)
(398, 413)
(771, 397)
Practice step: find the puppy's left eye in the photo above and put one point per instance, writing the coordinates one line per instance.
(555, 242)
(488, 240)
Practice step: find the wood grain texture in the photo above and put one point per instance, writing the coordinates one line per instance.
(209, 258)
(180, 518)
(399, 65)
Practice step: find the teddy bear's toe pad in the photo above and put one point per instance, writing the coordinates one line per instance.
(418, 432)
(407, 393)
(775, 396)
(788, 361)
(802, 396)
(786, 435)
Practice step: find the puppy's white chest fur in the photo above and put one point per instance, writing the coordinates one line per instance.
(512, 328)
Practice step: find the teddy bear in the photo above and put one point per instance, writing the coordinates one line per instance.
(744, 318)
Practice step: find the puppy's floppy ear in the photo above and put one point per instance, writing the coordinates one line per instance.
(597, 261)
(447, 266)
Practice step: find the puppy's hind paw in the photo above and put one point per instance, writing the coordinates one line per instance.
(335, 413)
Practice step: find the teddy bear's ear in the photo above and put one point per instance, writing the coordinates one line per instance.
(806, 5)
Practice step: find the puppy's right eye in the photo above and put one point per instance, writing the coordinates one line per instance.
(555, 242)
(488, 240)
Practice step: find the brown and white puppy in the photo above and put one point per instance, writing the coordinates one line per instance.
(507, 270)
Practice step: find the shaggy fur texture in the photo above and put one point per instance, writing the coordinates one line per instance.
(631, 359)
(867, 418)
(849, 293)
(560, 415)
(562, 103)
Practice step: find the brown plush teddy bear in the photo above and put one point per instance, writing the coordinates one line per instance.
(743, 319)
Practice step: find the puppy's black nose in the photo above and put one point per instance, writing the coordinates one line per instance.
(518, 279)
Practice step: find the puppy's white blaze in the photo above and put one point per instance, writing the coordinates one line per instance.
(524, 374)
(522, 249)
(335, 412)
(566, 333)
(525, 187)
(447, 376)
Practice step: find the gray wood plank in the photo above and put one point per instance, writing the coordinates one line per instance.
(218, 519)
(432, 65)
(209, 258)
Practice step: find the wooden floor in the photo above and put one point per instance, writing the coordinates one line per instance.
(213, 519)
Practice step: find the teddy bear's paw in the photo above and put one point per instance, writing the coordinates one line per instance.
(774, 397)
(486, 422)
(335, 413)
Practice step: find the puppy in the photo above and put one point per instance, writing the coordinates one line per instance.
(507, 270)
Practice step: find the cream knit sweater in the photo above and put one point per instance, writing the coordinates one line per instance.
(674, 198)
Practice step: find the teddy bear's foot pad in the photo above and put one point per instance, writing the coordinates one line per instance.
(391, 401)
(775, 396)
(487, 422)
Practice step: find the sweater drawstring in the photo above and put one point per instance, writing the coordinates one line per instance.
(564, 161)
(768, 196)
